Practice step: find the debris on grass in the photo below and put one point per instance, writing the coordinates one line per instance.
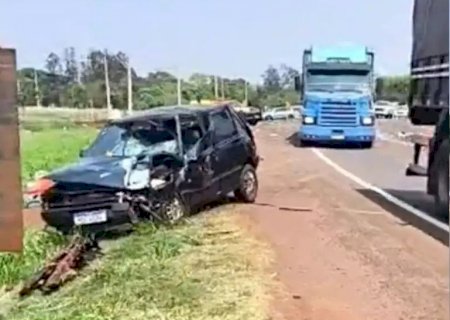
(62, 268)
(204, 268)
(38, 246)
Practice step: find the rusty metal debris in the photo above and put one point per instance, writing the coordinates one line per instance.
(63, 267)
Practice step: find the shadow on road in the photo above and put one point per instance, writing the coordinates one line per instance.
(292, 139)
(417, 199)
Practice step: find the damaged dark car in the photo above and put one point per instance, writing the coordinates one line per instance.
(161, 164)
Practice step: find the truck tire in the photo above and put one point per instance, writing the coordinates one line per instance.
(367, 144)
(442, 184)
(299, 143)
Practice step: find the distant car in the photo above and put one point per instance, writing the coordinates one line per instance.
(251, 114)
(281, 113)
(384, 109)
(401, 111)
(161, 163)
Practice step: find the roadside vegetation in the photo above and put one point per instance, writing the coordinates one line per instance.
(59, 84)
(47, 149)
(38, 246)
(41, 150)
(203, 268)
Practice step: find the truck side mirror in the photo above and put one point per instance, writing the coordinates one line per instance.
(298, 84)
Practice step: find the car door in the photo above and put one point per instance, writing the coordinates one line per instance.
(281, 113)
(199, 185)
(230, 151)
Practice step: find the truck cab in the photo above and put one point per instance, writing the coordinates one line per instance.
(337, 95)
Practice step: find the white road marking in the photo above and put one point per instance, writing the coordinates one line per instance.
(384, 194)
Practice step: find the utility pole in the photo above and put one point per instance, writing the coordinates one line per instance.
(130, 88)
(216, 88)
(108, 90)
(36, 89)
(222, 88)
(179, 90)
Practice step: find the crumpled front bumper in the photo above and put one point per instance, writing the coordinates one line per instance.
(118, 214)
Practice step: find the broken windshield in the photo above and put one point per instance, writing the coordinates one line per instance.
(118, 141)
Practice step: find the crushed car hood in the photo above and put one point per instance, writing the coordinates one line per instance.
(105, 171)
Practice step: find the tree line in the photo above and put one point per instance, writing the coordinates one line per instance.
(80, 83)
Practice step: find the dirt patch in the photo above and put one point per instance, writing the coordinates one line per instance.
(342, 256)
(32, 219)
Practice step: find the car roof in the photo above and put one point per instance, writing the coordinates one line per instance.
(168, 112)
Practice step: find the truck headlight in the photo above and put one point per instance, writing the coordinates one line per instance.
(308, 120)
(367, 121)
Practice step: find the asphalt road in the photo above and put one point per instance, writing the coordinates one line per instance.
(384, 167)
(340, 252)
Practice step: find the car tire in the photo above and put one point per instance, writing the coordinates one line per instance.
(176, 209)
(442, 185)
(291, 117)
(269, 118)
(248, 185)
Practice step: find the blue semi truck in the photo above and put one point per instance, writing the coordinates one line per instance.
(336, 87)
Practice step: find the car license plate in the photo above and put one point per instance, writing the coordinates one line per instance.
(90, 217)
(338, 137)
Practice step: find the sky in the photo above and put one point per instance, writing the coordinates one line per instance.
(232, 38)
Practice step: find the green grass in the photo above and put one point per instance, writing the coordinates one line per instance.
(51, 148)
(204, 269)
(43, 150)
(38, 246)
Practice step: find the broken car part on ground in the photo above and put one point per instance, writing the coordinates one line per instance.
(158, 165)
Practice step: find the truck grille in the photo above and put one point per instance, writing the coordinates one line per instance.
(63, 200)
(338, 114)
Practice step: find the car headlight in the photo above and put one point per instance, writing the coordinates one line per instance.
(367, 121)
(308, 120)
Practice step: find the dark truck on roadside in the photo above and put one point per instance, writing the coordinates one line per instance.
(428, 98)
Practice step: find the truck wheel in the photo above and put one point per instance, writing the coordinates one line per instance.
(442, 187)
(367, 145)
(299, 143)
(248, 185)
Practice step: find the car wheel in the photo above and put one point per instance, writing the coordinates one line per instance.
(291, 117)
(248, 185)
(442, 187)
(176, 209)
(269, 118)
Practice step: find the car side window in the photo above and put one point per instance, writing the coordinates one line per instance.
(223, 125)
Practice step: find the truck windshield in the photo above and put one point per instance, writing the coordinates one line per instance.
(118, 141)
(338, 80)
